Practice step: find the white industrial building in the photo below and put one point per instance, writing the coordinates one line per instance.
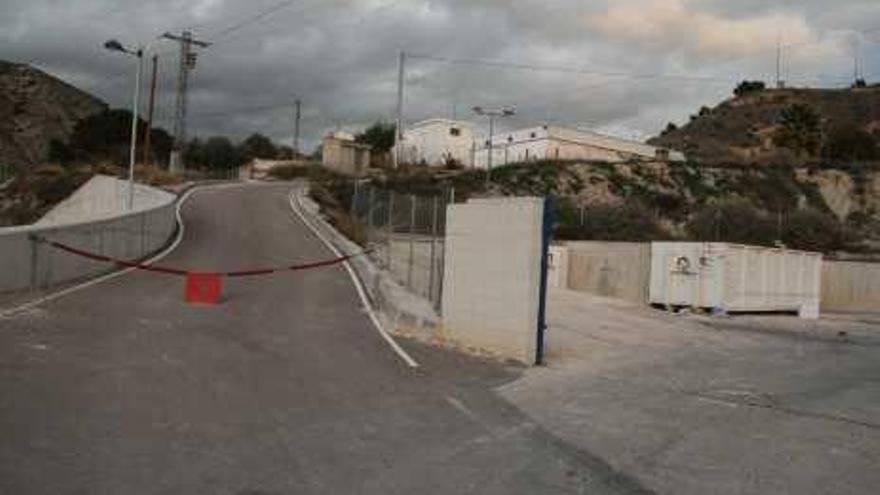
(560, 143)
(436, 142)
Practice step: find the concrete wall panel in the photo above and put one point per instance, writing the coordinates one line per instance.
(850, 286)
(492, 275)
(620, 270)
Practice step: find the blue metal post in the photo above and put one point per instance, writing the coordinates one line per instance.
(546, 237)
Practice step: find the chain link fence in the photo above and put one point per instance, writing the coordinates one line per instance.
(5, 172)
(406, 232)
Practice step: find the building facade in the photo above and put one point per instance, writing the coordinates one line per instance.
(438, 142)
(341, 153)
(560, 143)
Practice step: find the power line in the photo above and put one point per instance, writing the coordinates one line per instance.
(567, 69)
(254, 18)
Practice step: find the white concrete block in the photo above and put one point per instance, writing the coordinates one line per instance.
(492, 275)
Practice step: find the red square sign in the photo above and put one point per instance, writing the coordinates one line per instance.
(203, 288)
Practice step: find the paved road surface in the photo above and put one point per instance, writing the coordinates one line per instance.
(285, 388)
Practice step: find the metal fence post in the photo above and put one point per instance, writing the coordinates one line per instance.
(432, 273)
(353, 211)
(390, 229)
(412, 246)
(35, 245)
(371, 202)
(143, 234)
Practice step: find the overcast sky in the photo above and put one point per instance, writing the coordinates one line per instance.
(625, 67)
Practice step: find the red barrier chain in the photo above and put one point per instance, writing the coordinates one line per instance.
(184, 273)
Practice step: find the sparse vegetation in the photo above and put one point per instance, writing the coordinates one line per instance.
(641, 202)
(800, 130)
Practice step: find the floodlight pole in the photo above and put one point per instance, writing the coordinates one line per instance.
(116, 46)
(492, 114)
(134, 120)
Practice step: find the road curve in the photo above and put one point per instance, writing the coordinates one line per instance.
(121, 388)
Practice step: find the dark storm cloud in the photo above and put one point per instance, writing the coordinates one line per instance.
(339, 56)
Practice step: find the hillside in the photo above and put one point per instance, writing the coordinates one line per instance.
(36, 108)
(832, 211)
(741, 130)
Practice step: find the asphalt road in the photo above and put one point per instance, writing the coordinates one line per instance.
(284, 388)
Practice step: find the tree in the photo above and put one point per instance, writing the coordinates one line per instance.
(193, 153)
(318, 154)
(733, 221)
(258, 146)
(850, 142)
(106, 136)
(812, 230)
(219, 153)
(800, 130)
(380, 136)
(285, 153)
(748, 87)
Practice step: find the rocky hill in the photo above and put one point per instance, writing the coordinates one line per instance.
(36, 108)
(743, 130)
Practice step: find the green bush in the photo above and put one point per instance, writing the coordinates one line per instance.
(631, 223)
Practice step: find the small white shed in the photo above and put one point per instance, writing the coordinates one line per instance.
(735, 278)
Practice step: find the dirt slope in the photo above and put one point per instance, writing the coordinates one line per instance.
(36, 108)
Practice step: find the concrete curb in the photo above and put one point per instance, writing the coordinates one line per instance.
(401, 311)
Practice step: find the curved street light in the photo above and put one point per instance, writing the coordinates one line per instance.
(115, 46)
(492, 113)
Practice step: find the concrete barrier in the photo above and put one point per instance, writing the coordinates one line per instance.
(620, 270)
(850, 285)
(26, 264)
(103, 197)
(492, 274)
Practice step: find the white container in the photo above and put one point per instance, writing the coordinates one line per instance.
(734, 277)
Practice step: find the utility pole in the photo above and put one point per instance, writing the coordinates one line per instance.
(398, 141)
(296, 119)
(857, 49)
(187, 63)
(148, 133)
(779, 83)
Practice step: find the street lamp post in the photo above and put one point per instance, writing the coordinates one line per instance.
(116, 46)
(492, 114)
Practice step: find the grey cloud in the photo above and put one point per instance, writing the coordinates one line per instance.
(339, 56)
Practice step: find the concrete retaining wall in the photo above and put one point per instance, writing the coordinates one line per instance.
(850, 286)
(25, 264)
(492, 273)
(620, 270)
(103, 197)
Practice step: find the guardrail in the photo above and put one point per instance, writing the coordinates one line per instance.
(26, 263)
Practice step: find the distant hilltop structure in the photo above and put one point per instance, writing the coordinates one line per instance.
(444, 142)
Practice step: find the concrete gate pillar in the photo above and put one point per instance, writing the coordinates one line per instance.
(492, 286)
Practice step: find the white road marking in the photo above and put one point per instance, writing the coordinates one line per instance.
(110, 276)
(460, 407)
(295, 205)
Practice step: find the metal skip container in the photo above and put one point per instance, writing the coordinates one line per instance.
(735, 278)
